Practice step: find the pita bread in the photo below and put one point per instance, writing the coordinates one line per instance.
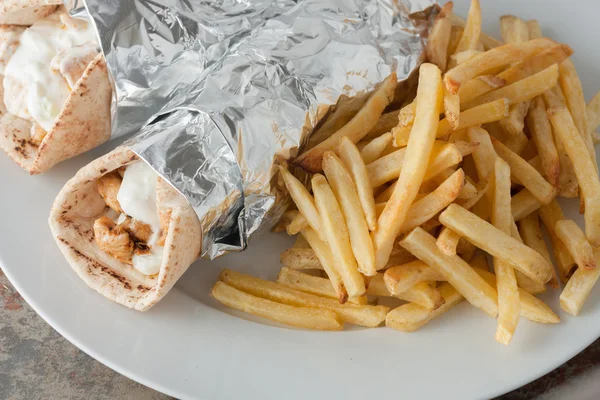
(79, 204)
(83, 123)
(26, 12)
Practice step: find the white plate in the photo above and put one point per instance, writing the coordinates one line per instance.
(189, 346)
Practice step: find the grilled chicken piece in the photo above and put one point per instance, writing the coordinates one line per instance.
(113, 240)
(108, 187)
(139, 231)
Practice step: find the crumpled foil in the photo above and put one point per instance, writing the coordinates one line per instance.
(220, 92)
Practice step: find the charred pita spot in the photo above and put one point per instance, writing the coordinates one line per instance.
(103, 170)
(143, 288)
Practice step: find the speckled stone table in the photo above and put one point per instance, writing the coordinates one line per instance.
(37, 363)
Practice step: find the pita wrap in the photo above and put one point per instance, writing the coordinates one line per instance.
(72, 217)
(26, 12)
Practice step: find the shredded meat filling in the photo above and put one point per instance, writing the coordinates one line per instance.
(113, 240)
(108, 187)
(139, 231)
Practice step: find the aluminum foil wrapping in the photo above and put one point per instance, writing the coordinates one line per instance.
(222, 91)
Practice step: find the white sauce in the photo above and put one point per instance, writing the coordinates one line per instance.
(33, 91)
(137, 197)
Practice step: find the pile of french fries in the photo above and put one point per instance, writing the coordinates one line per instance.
(410, 204)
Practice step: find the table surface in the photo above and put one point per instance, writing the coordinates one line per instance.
(36, 362)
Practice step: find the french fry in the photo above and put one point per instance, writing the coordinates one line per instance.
(481, 85)
(436, 50)
(487, 41)
(423, 293)
(463, 56)
(525, 282)
(451, 108)
(482, 188)
(531, 307)
(485, 155)
(573, 92)
(375, 147)
(525, 89)
(296, 225)
(458, 273)
(468, 190)
(579, 287)
(302, 317)
(496, 57)
(385, 124)
(529, 228)
(410, 317)
(523, 204)
(312, 284)
(497, 243)
(347, 197)
(482, 114)
(364, 315)
(550, 214)
(301, 243)
(296, 258)
(355, 129)
(303, 200)
(447, 241)
(585, 171)
(576, 243)
(593, 112)
(526, 174)
(513, 29)
(285, 220)
(337, 236)
(472, 29)
(515, 122)
(400, 278)
(534, 29)
(353, 162)
(541, 134)
(415, 164)
(508, 293)
(327, 262)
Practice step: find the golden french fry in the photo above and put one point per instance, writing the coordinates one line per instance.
(526, 174)
(385, 124)
(304, 201)
(327, 262)
(458, 273)
(312, 284)
(508, 292)
(472, 29)
(534, 29)
(356, 129)
(337, 236)
(541, 134)
(455, 35)
(436, 50)
(451, 108)
(585, 171)
(301, 243)
(573, 92)
(298, 258)
(347, 197)
(579, 287)
(576, 243)
(482, 188)
(447, 241)
(487, 41)
(550, 214)
(424, 293)
(375, 147)
(523, 281)
(468, 190)
(285, 220)
(302, 317)
(353, 162)
(410, 317)
(463, 56)
(593, 113)
(515, 122)
(497, 243)
(364, 315)
(499, 56)
(513, 29)
(400, 278)
(482, 114)
(415, 164)
(485, 155)
(481, 85)
(297, 224)
(529, 228)
(525, 89)
(523, 204)
(531, 307)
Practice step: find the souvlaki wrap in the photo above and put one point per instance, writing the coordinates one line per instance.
(124, 230)
(26, 12)
(55, 90)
